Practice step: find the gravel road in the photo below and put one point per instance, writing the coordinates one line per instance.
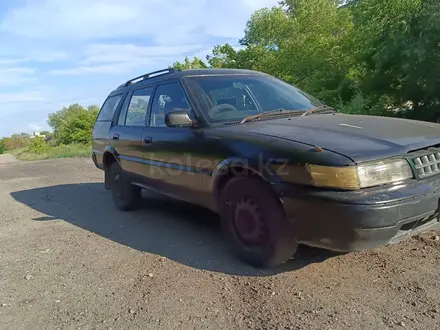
(69, 260)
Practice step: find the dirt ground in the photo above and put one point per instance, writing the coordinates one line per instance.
(69, 260)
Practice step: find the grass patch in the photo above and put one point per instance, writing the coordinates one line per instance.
(16, 152)
(62, 151)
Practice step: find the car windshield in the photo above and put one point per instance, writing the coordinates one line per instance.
(230, 98)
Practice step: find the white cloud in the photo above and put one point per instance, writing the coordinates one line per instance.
(97, 69)
(17, 71)
(125, 58)
(105, 53)
(16, 75)
(47, 56)
(32, 55)
(9, 61)
(58, 18)
(35, 127)
(24, 97)
(164, 21)
(125, 67)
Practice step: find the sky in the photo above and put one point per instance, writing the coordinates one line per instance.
(57, 52)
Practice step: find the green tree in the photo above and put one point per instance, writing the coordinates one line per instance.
(94, 108)
(251, 58)
(56, 120)
(2, 146)
(398, 45)
(224, 57)
(286, 41)
(303, 51)
(73, 124)
(196, 63)
(361, 56)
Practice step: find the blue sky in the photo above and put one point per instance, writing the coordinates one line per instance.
(58, 52)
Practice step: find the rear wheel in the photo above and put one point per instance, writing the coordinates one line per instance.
(125, 195)
(254, 221)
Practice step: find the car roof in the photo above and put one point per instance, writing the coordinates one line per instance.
(201, 72)
(170, 73)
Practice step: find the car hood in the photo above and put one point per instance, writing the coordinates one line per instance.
(361, 138)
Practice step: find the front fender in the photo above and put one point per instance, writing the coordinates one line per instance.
(227, 168)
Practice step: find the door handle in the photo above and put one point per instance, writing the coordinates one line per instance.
(115, 136)
(147, 140)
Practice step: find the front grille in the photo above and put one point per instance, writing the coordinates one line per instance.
(427, 165)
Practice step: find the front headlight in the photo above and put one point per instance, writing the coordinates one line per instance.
(383, 172)
(352, 177)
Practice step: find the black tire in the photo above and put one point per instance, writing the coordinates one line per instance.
(126, 196)
(273, 242)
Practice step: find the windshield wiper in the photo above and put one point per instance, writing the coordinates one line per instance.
(322, 108)
(275, 112)
(278, 112)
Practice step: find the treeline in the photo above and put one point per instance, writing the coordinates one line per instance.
(70, 125)
(364, 56)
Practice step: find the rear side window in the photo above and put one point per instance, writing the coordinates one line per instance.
(109, 107)
(137, 110)
(123, 112)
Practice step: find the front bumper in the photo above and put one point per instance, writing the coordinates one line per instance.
(361, 220)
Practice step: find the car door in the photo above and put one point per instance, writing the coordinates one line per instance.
(102, 127)
(126, 134)
(174, 154)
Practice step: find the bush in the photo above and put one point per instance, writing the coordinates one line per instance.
(61, 151)
(38, 145)
(357, 105)
(360, 105)
(2, 147)
(15, 141)
(52, 142)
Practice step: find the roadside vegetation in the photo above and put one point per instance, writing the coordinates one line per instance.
(71, 136)
(60, 151)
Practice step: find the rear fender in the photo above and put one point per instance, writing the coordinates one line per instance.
(109, 151)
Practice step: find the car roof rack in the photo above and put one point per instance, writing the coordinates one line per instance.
(148, 76)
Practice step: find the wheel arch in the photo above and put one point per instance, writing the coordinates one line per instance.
(229, 169)
(108, 159)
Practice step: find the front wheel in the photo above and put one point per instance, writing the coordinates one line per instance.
(125, 195)
(254, 221)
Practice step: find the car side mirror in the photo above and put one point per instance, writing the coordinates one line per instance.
(179, 118)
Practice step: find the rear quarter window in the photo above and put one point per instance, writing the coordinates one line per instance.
(109, 107)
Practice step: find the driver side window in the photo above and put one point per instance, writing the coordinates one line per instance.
(235, 96)
(230, 102)
(168, 98)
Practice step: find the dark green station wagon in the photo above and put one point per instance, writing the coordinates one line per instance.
(280, 167)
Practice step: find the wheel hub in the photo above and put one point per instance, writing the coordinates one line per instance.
(249, 222)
